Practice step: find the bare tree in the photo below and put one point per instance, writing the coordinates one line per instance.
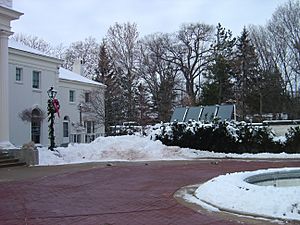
(87, 51)
(261, 39)
(122, 42)
(94, 107)
(191, 53)
(40, 44)
(161, 76)
(284, 27)
(271, 85)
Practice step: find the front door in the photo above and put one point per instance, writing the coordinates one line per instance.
(36, 126)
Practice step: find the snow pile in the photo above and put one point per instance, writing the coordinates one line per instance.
(119, 148)
(134, 148)
(232, 193)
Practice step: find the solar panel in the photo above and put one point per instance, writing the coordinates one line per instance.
(193, 114)
(179, 114)
(225, 112)
(208, 113)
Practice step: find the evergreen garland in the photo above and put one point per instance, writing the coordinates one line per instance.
(51, 117)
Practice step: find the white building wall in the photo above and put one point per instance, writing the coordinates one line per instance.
(22, 96)
(71, 109)
(6, 16)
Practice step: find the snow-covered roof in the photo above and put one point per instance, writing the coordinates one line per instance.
(69, 75)
(19, 46)
(63, 73)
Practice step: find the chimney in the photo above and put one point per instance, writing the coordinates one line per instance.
(78, 66)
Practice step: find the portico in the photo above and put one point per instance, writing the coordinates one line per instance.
(7, 14)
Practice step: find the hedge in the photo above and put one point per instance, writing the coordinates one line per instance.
(228, 137)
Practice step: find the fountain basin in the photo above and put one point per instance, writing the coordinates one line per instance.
(276, 179)
(253, 193)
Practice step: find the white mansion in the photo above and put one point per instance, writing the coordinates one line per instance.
(25, 76)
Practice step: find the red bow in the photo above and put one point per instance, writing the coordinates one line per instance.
(56, 106)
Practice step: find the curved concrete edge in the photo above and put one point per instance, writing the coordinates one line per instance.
(188, 192)
(271, 176)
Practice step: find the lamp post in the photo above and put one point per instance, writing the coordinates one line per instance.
(80, 113)
(51, 111)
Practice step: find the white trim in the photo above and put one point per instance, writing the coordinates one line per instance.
(81, 83)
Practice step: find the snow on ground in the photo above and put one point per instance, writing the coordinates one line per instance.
(232, 193)
(120, 148)
(134, 148)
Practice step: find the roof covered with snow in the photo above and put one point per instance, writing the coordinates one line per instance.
(19, 46)
(69, 75)
(63, 73)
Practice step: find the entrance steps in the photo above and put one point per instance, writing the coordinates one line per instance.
(7, 160)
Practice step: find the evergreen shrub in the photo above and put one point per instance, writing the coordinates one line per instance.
(292, 144)
(228, 137)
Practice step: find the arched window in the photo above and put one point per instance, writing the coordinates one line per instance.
(36, 125)
(66, 127)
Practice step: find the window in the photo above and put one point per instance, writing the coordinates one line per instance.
(72, 96)
(36, 125)
(66, 129)
(76, 138)
(19, 72)
(90, 126)
(87, 97)
(36, 79)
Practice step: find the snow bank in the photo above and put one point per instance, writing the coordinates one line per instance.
(120, 148)
(133, 148)
(232, 193)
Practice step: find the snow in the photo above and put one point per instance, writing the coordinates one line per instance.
(119, 148)
(19, 46)
(63, 73)
(231, 192)
(135, 148)
(7, 145)
(69, 75)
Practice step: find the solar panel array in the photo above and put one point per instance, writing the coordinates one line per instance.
(193, 113)
(204, 113)
(179, 114)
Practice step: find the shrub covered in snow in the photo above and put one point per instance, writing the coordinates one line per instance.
(292, 143)
(233, 137)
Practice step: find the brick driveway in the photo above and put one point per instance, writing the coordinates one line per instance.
(132, 193)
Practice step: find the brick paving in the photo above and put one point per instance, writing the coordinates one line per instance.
(133, 194)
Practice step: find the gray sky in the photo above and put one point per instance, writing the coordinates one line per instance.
(66, 21)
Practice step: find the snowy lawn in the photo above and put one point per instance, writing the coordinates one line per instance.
(231, 192)
(133, 148)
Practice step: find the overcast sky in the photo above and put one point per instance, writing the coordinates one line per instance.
(67, 21)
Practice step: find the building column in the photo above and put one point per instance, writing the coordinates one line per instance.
(4, 98)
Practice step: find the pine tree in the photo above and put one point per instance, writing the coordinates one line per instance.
(217, 88)
(272, 97)
(113, 98)
(247, 75)
(143, 105)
